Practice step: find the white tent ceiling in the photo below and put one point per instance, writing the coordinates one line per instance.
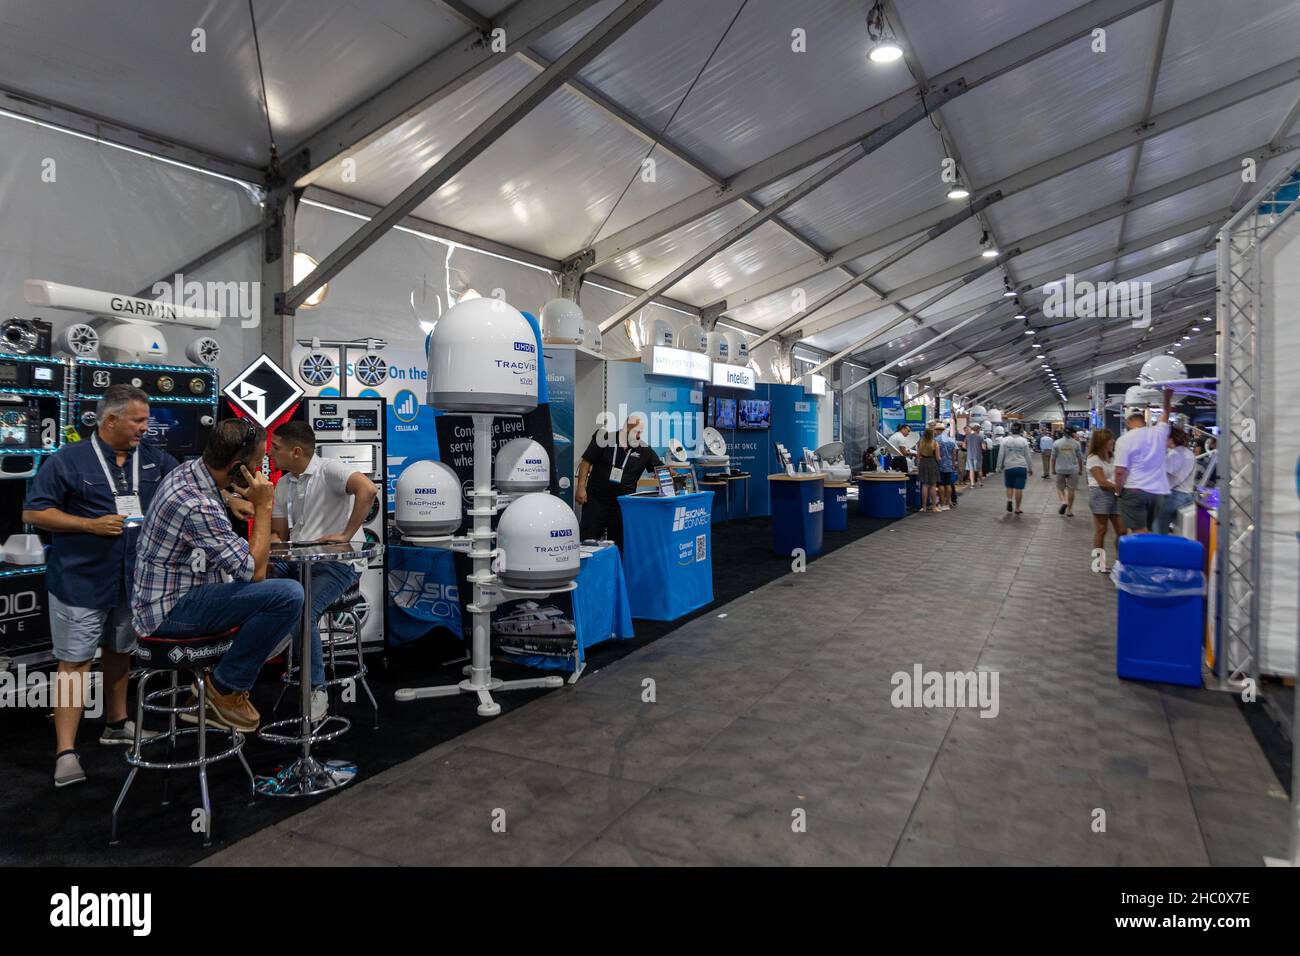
(709, 91)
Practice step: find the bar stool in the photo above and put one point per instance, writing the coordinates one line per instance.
(340, 626)
(162, 656)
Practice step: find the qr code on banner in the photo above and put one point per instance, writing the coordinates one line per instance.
(701, 547)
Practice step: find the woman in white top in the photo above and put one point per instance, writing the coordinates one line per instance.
(1180, 466)
(1102, 501)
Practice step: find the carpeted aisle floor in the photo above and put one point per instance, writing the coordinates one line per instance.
(764, 733)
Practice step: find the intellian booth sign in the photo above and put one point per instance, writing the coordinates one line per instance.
(733, 376)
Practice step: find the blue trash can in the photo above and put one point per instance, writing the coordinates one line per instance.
(913, 492)
(883, 497)
(1161, 625)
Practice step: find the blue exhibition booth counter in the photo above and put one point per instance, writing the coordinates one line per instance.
(669, 544)
(836, 515)
(798, 503)
(882, 495)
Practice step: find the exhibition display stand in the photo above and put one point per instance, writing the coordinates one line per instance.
(798, 504)
(836, 515)
(882, 495)
(425, 596)
(669, 549)
(913, 492)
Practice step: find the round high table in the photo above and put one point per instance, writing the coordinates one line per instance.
(307, 776)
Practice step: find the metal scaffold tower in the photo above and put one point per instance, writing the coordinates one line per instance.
(1240, 353)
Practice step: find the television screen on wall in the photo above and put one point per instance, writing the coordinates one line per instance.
(724, 413)
(754, 413)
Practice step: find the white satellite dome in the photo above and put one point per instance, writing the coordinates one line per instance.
(719, 349)
(661, 333)
(591, 337)
(538, 535)
(562, 321)
(995, 416)
(692, 337)
(734, 343)
(1161, 368)
(740, 353)
(979, 413)
(522, 465)
(1137, 396)
(483, 358)
(427, 500)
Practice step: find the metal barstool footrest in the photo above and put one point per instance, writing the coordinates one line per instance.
(266, 731)
(169, 738)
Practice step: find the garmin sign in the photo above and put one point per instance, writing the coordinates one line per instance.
(678, 363)
(733, 376)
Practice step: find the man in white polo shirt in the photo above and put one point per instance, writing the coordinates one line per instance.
(1140, 475)
(321, 500)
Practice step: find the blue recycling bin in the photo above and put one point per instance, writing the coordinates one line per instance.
(913, 492)
(1161, 584)
(883, 495)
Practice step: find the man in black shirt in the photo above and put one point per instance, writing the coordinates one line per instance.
(611, 468)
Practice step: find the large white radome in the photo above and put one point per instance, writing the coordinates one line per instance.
(522, 465)
(483, 358)
(428, 500)
(538, 534)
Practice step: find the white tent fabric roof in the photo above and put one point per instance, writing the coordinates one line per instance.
(707, 91)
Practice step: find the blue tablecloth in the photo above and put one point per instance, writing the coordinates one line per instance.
(669, 543)
(423, 594)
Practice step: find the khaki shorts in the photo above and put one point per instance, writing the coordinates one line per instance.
(1067, 481)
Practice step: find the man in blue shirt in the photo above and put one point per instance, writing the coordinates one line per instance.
(91, 496)
(947, 470)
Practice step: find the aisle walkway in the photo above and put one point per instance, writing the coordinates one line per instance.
(777, 712)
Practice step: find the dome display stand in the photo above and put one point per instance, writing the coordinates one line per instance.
(488, 591)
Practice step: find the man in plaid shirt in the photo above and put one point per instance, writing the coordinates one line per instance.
(194, 575)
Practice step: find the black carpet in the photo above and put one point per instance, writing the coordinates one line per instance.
(44, 826)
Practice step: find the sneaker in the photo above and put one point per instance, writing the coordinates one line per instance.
(125, 735)
(67, 769)
(320, 704)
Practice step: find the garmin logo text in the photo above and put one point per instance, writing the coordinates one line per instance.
(561, 532)
(526, 347)
(1103, 300)
(74, 910)
(684, 518)
(176, 299)
(948, 689)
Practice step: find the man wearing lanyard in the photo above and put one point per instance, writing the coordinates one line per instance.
(609, 469)
(91, 496)
(322, 500)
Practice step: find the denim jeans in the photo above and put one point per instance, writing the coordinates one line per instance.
(1169, 508)
(263, 610)
(329, 579)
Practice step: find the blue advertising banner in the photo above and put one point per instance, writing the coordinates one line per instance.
(561, 377)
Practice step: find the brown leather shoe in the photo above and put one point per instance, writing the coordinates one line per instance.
(233, 709)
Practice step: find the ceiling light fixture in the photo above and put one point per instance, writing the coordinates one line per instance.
(884, 46)
(990, 249)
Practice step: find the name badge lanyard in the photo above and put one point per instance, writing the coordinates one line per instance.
(130, 498)
(615, 471)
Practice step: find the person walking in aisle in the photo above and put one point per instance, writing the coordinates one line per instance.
(1067, 462)
(1140, 475)
(1016, 464)
(974, 456)
(927, 468)
(1045, 446)
(947, 471)
(1180, 468)
(1102, 501)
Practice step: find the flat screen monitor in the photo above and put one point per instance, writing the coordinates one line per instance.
(754, 413)
(724, 413)
(17, 426)
(176, 428)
